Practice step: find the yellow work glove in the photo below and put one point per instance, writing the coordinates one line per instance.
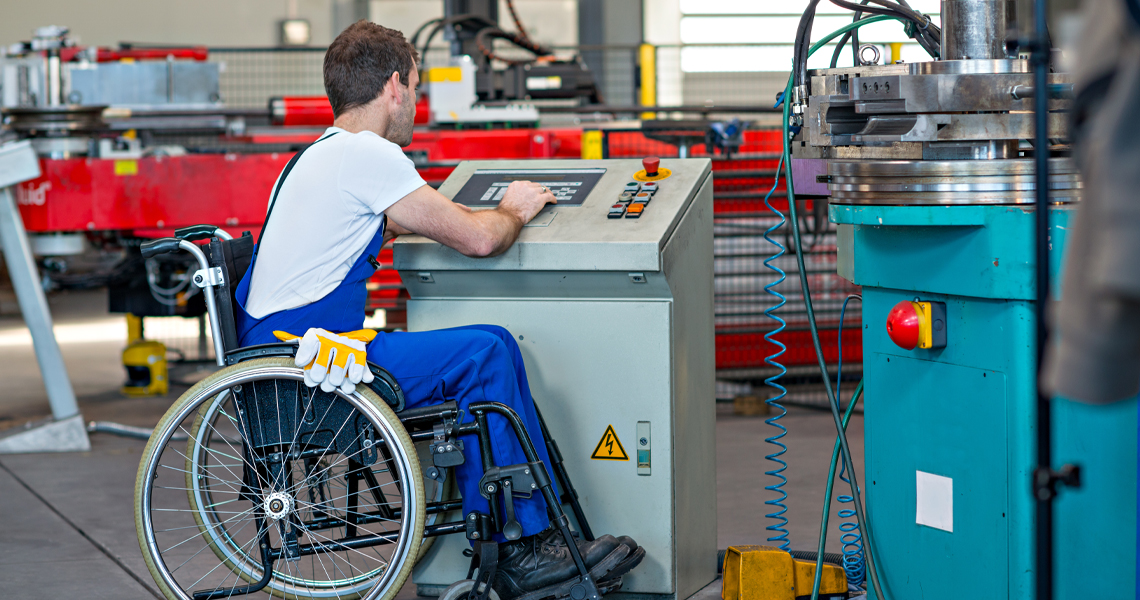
(332, 360)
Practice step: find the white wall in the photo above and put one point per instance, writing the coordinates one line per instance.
(248, 22)
(662, 23)
(553, 22)
(208, 22)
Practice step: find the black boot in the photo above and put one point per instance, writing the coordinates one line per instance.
(537, 566)
(592, 552)
(636, 554)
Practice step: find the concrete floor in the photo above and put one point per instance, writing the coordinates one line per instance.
(66, 524)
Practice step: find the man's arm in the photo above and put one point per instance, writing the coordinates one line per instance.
(473, 233)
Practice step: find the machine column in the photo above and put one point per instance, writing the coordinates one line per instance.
(974, 29)
(66, 433)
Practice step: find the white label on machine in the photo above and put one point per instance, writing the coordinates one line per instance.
(935, 501)
(552, 82)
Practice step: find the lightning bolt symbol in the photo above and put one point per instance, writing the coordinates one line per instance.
(610, 444)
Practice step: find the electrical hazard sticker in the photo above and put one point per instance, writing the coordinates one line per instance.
(609, 447)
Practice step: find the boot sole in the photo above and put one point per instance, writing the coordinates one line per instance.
(609, 586)
(557, 590)
(623, 567)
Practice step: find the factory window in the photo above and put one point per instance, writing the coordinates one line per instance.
(745, 35)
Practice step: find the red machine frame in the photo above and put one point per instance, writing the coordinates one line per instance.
(151, 196)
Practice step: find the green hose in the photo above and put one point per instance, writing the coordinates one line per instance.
(827, 494)
(872, 566)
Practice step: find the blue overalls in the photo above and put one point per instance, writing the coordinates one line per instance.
(466, 364)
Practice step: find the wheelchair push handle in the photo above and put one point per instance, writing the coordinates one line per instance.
(159, 246)
(204, 278)
(194, 233)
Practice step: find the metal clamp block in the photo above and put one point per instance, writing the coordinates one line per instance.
(209, 277)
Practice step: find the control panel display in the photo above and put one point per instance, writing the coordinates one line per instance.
(486, 187)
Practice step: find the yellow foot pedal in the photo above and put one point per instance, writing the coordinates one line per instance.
(767, 573)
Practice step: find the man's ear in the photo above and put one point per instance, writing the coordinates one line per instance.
(394, 84)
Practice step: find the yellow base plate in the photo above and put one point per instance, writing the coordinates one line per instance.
(662, 173)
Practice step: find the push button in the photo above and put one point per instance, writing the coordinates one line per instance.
(651, 164)
(632, 186)
(649, 186)
(634, 211)
(642, 197)
(625, 197)
(917, 324)
(616, 211)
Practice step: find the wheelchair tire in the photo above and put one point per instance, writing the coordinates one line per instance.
(434, 491)
(229, 487)
(462, 588)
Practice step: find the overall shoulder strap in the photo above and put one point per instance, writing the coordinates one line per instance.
(281, 181)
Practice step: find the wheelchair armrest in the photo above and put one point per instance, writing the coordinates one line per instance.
(283, 350)
(385, 386)
(383, 383)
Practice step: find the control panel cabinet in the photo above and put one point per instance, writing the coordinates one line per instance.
(609, 294)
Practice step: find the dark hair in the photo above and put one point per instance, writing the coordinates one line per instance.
(360, 61)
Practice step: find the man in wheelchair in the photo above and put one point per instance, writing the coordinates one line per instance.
(332, 209)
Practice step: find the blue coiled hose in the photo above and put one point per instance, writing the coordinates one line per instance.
(779, 528)
(851, 537)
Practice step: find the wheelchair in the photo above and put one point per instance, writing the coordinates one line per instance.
(254, 483)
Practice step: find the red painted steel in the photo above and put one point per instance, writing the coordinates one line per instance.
(86, 194)
(150, 197)
(316, 111)
(83, 194)
(306, 110)
(196, 53)
(747, 350)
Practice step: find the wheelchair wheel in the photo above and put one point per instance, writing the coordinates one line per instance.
(207, 424)
(325, 488)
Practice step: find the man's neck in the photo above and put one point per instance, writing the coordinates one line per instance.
(363, 118)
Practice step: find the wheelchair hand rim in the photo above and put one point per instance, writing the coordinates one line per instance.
(402, 551)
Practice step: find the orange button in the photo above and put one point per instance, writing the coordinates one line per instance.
(635, 208)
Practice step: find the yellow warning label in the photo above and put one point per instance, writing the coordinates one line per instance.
(609, 447)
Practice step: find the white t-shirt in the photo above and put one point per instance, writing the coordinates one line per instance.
(327, 211)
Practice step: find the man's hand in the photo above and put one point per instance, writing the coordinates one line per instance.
(478, 233)
(524, 199)
(330, 360)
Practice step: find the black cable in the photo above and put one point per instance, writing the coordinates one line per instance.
(483, 37)
(850, 35)
(466, 18)
(485, 29)
(802, 44)
(838, 49)
(416, 36)
(518, 22)
(427, 43)
(921, 28)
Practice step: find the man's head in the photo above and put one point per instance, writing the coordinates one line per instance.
(368, 64)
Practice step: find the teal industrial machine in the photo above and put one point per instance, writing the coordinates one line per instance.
(929, 171)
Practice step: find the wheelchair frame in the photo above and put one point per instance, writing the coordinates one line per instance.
(220, 267)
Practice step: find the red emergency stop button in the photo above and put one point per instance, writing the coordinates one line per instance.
(904, 325)
(651, 164)
(917, 324)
